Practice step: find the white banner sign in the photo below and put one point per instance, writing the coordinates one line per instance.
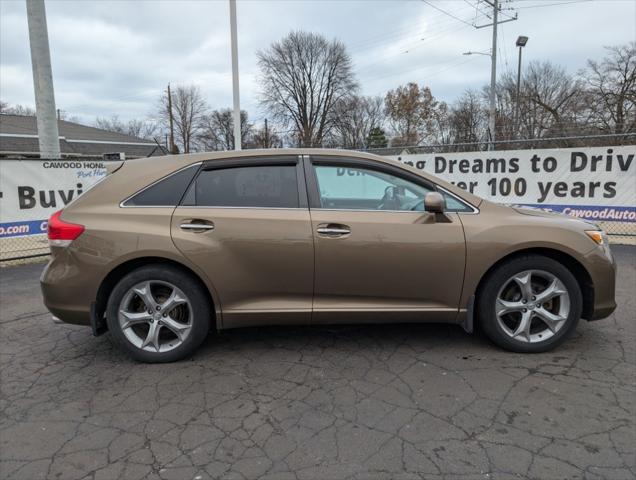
(32, 190)
(591, 183)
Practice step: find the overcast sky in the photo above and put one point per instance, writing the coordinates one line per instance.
(115, 57)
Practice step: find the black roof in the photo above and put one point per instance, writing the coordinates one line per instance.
(18, 134)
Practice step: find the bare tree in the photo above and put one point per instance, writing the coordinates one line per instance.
(17, 110)
(411, 111)
(265, 137)
(217, 130)
(468, 119)
(146, 129)
(611, 90)
(440, 131)
(354, 118)
(302, 78)
(64, 115)
(139, 128)
(550, 104)
(188, 110)
(112, 124)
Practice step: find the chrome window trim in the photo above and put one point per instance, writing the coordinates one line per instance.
(122, 203)
(369, 210)
(241, 208)
(376, 211)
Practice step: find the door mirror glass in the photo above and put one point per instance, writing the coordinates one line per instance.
(434, 202)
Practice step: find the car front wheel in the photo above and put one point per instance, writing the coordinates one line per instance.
(158, 314)
(530, 304)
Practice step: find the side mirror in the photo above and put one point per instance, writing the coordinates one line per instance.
(434, 202)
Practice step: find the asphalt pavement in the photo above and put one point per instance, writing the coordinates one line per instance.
(350, 402)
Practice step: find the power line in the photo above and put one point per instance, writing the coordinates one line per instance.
(433, 35)
(554, 4)
(447, 13)
(505, 49)
(477, 9)
(428, 36)
(451, 65)
(379, 40)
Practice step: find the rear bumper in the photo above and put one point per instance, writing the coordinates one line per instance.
(64, 293)
(603, 272)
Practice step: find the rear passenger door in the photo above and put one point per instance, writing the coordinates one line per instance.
(246, 223)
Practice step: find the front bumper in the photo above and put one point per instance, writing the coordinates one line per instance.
(602, 270)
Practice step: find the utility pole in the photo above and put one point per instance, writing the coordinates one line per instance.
(235, 77)
(172, 149)
(48, 134)
(493, 77)
(492, 124)
(266, 135)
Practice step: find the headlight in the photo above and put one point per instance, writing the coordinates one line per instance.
(600, 238)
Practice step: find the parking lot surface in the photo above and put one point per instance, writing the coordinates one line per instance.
(394, 402)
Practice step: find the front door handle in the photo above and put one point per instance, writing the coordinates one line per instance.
(333, 230)
(197, 226)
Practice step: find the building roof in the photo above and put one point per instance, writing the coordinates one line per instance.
(19, 135)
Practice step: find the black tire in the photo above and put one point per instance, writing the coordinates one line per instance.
(487, 298)
(201, 315)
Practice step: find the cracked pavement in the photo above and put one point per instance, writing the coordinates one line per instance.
(358, 402)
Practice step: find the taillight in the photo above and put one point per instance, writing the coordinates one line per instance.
(62, 233)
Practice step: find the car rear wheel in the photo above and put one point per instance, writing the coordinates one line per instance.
(158, 314)
(530, 304)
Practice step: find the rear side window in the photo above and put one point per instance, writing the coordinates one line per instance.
(167, 192)
(274, 186)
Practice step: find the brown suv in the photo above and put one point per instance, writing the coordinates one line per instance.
(164, 249)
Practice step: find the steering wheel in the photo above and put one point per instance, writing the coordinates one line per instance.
(415, 206)
(390, 200)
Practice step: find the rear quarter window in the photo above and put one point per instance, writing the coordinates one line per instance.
(166, 192)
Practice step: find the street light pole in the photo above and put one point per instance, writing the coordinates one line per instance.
(235, 77)
(521, 42)
(493, 76)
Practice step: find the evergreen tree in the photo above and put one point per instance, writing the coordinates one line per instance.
(377, 138)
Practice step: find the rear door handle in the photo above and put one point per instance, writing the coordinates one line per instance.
(197, 226)
(333, 230)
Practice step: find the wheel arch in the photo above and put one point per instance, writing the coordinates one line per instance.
(582, 276)
(123, 269)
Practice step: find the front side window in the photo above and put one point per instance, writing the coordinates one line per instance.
(359, 188)
(274, 186)
(355, 188)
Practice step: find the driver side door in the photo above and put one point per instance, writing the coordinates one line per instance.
(378, 255)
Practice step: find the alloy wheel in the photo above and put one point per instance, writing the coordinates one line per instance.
(532, 306)
(155, 316)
